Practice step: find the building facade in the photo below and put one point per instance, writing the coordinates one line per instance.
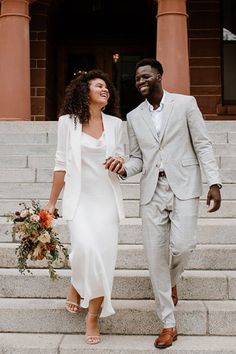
(44, 43)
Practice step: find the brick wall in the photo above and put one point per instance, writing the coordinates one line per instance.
(205, 53)
(38, 42)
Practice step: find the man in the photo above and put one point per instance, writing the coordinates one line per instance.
(168, 142)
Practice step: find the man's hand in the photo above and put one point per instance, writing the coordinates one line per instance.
(213, 198)
(115, 164)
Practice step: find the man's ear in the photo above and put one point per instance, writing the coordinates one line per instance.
(159, 77)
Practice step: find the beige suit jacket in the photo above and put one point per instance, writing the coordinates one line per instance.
(182, 146)
(68, 159)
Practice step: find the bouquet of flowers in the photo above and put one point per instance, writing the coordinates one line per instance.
(38, 240)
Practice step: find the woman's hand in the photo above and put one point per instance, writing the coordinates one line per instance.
(50, 207)
(115, 164)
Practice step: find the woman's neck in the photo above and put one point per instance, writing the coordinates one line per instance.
(95, 113)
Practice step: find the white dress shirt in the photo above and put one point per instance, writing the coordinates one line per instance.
(157, 117)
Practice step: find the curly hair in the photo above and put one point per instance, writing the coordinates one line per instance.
(76, 102)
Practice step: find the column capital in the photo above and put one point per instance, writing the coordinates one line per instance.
(15, 8)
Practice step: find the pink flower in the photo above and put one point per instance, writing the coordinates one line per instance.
(24, 213)
(34, 218)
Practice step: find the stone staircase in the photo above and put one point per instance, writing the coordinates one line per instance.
(32, 315)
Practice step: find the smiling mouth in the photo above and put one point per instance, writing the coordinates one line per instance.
(142, 88)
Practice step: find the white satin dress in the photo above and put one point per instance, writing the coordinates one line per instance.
(94, 229)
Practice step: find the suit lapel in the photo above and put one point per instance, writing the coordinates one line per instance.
(146, 116)
(167, 109)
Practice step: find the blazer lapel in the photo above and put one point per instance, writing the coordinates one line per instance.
(148, 120)
(109, 134)
(167, 109)
(76, 142)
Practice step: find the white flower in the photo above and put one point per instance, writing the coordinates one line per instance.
(45, 237)
(35, 218)
(24, 213)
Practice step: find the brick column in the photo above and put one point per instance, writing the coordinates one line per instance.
(14, 60)
(172, 45)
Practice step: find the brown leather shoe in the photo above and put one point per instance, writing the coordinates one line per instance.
(166, 338)
(174, 295)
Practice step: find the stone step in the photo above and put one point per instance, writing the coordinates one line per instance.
(51, 138)
(204, 257)
(28, 127)
(33, 138)
(132, 317)
(11, 205)
(28, 149)
(45, 175)
(32, 190)
(209, 231)
(27, 343)
(128, 284)
(51, 126)
(227, 210)
(47, 160)
(50, 149)
(130, 191)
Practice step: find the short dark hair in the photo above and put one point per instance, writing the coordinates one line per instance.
(152, 62)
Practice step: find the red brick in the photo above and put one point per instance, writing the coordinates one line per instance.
(39, 118)
(33, 91)
(204, 61)
(33, 63)
(33, 35)
(38, 21)
(38, 77)
(40, 91)
(197, 6)
(205, 76)
(38, 49)
(226, 109)
(41, 63)
(38, 105)
(204, 33)
(42, 35)
(204, 20)
(208, 104)
(205, 90)
(204, 47)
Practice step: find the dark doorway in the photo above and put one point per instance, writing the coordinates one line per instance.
(111, 35)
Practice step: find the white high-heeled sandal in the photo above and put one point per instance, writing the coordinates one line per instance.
(92, 339)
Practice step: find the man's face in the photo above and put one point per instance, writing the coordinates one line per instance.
(148, 80)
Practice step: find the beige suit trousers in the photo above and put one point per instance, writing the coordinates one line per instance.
(169, 226)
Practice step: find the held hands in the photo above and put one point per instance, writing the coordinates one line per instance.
(115, 164)
(213, 198)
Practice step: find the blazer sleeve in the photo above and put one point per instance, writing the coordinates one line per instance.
(202, 144)
(60, 159)
(135, 163)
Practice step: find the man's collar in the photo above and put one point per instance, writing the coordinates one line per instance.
(159, 109)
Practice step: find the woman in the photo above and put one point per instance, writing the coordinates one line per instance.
(92, 200)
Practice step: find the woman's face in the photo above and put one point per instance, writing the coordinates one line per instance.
(98, 92)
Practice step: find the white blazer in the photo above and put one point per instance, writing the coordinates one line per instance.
(68, 159)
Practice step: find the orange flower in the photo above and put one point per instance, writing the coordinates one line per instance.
(45, 219)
